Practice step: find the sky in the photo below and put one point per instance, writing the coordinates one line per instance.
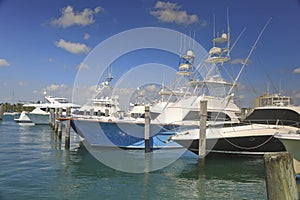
(43, 44)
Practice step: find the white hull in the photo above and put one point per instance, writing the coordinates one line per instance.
(23, 119)
(39, 119)
(291, 143)
(241, 139)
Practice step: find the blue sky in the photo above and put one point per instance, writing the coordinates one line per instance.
(43, 43)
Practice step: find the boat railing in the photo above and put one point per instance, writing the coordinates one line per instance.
(277, 122)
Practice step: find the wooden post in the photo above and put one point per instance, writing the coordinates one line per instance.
(281, 181)
(55, 121)
(202, 130)
(1, 111)
(59, 129)
(147, 129)
(67, 136)
(52, 118)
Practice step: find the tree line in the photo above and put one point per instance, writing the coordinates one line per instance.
(18, 107)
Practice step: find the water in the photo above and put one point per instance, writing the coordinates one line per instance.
(34, 165)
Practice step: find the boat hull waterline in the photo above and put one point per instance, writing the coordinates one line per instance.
(123, 134)
(243, 139)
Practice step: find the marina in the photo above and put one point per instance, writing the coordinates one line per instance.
(35, 165)
(141, 109)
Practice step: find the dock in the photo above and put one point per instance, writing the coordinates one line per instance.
(56, 120)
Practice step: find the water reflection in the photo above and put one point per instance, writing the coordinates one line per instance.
(222, 178)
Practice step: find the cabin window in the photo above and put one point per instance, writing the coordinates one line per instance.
(211, 116)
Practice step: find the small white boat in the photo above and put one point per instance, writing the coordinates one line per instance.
(23, 119)
(10, 113)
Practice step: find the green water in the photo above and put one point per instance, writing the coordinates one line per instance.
(34, 165)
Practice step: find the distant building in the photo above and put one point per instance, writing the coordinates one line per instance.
(272, 100)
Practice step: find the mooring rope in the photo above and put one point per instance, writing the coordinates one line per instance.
(249, 148)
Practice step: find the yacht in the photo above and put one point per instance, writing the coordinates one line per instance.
(103, 104)
(230, 135)
(40, 115)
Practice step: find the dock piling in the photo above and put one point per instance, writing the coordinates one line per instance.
(1, 111)
(280, 176)
(67, 135)
(147, 129)
(202, 130)
(59, 129)
(52, 118)
(55, 120)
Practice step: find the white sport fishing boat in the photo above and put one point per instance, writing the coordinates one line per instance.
(103, 104)
(228, 136)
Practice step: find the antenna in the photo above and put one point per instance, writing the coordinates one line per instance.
(190, 39)
(214, 28)
(238, 38)
(180, 48)
(280, 87)
(193, 46)
(252, 49)
(228, 32)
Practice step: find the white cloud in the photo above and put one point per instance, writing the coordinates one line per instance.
(51, 59)
(22, 83)
(54, 87)
(297, 71)
(170, 12)
(152, 88)
(239, 61)
(86, 36)
(4, 63)
(75, 48)
(82, 66)
(297, 96)
(70, 18)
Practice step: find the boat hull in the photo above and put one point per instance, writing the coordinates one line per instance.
(23, 119)
(291, 143)
(39, 119)
(237, 139)
(122, 134)
(238, 145)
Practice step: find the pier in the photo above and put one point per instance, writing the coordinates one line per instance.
(56, 123)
